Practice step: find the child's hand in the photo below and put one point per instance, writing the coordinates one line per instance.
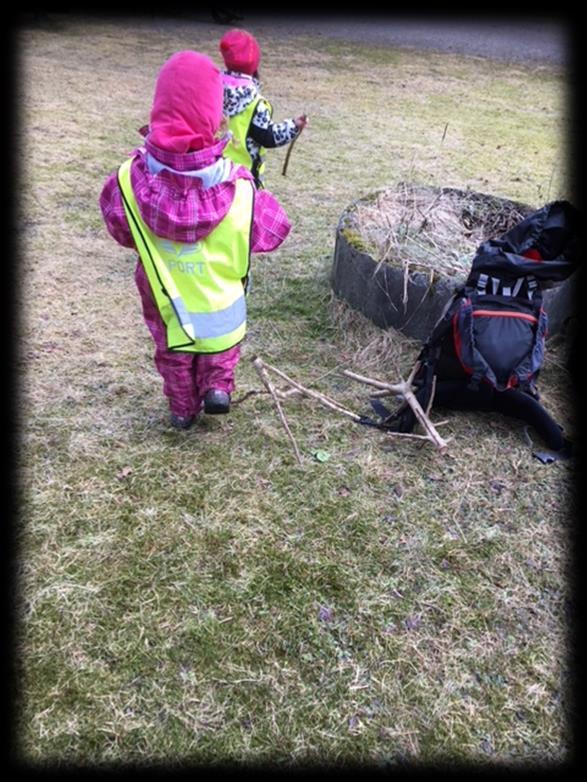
(301, 121)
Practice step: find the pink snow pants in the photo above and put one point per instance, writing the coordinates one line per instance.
(186, 376)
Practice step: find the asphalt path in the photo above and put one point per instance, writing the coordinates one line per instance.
(522, 38)
(515, 39)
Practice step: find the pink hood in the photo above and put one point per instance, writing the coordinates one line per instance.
(187, 106)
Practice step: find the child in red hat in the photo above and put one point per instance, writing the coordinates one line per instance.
(249, 113)
(193, 216)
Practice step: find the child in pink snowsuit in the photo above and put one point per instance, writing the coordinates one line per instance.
(184, 189)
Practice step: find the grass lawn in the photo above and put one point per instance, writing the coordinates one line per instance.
(198, 596)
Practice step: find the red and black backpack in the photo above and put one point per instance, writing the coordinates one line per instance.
(486, 350)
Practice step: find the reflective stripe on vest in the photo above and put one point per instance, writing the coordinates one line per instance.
(236, 149)
(198, 288)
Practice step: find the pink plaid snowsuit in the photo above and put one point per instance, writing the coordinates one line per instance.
(184, 188)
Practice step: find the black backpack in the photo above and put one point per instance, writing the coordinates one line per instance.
(486, 350)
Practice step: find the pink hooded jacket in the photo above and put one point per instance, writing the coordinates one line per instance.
(182, 184)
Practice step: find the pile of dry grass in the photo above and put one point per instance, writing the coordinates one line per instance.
(431, 227)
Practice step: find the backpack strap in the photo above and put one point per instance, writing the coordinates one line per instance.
(534, 290)
(482, 281)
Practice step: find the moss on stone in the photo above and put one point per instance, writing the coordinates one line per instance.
(355, 240)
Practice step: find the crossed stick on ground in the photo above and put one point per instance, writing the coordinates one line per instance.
(403, 389)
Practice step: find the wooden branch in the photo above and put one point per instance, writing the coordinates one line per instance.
(397, 388)
(253, 392)
(431, 400)
(322, 398)
(404, 389)
(262, 372)
(386, 391)
(288, 153)
(412, 374)
(242, 398)
(289, 392)
(287, 156)
(408, 434)
(429, 427)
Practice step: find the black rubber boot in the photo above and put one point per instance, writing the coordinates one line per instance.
(216, 402)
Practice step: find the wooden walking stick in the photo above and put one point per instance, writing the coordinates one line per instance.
(289, 150)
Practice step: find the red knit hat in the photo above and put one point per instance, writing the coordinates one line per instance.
(240, 51)
(187, 107)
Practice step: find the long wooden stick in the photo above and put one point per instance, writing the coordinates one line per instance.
(262, 372)
(288, 155)
(412, 374)
(392, 388)
(429, 427)
(322, 398)
(431, 400)
(389, 390)
(409, 434)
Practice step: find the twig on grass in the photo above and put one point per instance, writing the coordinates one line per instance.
(402, 389)
(242, 398)
(322, 398)
(254, 391)
(262, 372)
(432, 392)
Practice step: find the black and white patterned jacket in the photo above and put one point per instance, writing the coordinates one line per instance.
(262, 131)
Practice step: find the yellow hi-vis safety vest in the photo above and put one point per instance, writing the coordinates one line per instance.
(236, 149)
(199, 288)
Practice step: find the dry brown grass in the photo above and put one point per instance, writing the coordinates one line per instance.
(435, 229)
